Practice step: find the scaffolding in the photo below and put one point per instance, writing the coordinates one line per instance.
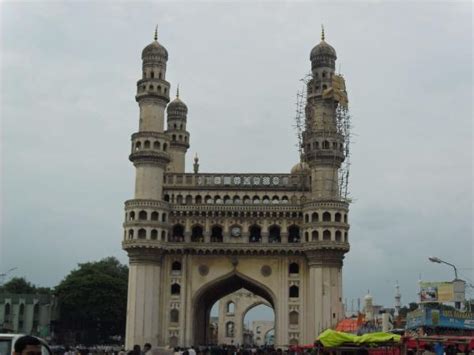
(342, 124)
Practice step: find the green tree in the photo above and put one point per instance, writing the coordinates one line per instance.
(18, 285)
(93, 301)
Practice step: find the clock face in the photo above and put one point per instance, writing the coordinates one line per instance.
(235, 231)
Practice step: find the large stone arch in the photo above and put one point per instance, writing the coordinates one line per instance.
(205, 297)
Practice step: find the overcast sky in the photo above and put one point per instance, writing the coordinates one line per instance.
(69, 72)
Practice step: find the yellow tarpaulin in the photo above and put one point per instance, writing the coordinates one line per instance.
(331, 338)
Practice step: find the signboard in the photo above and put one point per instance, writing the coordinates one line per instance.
(429, 317)
(436, 292)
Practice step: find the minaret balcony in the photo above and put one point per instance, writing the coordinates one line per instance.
(150, 157)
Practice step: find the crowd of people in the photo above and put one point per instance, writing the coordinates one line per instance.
(148, 350)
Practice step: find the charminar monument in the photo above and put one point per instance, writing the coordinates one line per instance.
(195, 237)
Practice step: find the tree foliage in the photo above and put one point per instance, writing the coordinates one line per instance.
(21, 285)
(93, 300)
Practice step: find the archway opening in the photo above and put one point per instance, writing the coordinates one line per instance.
(258, 321)
(204, 326)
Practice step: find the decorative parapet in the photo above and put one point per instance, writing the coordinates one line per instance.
(238, 181)
(316, 251)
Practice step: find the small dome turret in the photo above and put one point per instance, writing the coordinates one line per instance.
(155, 49)
(323, 54)
(300, 168)
(177, 107)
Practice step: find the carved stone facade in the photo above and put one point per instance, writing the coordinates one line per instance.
(194, 238)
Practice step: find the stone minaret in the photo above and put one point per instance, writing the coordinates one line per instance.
(146, 216)
(177, 116)
(326, 213)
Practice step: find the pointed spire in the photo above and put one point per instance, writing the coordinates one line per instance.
(177, 91)
(156, 33)
(322, 33)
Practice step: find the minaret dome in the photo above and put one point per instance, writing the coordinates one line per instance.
(323, 54)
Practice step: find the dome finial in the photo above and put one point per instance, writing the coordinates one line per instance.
(177, 91)
(156, 33)
(322, 33)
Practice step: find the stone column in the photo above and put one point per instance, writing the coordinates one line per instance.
(143, 302)
(324, 302)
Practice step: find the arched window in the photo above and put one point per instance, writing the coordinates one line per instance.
(178, 233)
(152, 74)
(159, 88)
(154, 216)
(132, 216)
(294, 291)
(338, 236)
(142, 215)
(173, 137)
(198, 199)
(189, 199)
(247, 200)
(326, 217)
(154, 234)
(326, 235)
(179, 199)
(306, 218)
(216, 234)
(7, 314)
(325, 87)
(156, 145)
(151, 87)
(141, 233)
(316, 145)
(266, 200)
(314, 217)
(294, 268)
(293, 234)
(174, 316)
(175, 289)
(146, 145)
(229, 329)
(197, 234)
(256, 200)
(315, 236)
(227, 200)
(274, 234)
(165, 147)
(337, 217)
(345, 218)
(217, 200)
(306, 236)
(163, 217)
(346, 237)
(176, 266)
(163, 235)
(21, 316)
(230, 308)
(294, 318)
(167, 198)
(325, 145)
(284, 199)
(159, 75)
(255, 234)
(35, 317)
(209, 200)
(130, 234)
(237, 200)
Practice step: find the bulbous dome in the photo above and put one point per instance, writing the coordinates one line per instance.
(155, 49)
(323, 49)
(177, 104)
(300, 168)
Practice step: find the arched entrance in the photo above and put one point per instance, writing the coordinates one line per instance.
(210, 293)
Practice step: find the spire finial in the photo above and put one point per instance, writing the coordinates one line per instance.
(322, 33)
(177, 91)
(156, 33)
